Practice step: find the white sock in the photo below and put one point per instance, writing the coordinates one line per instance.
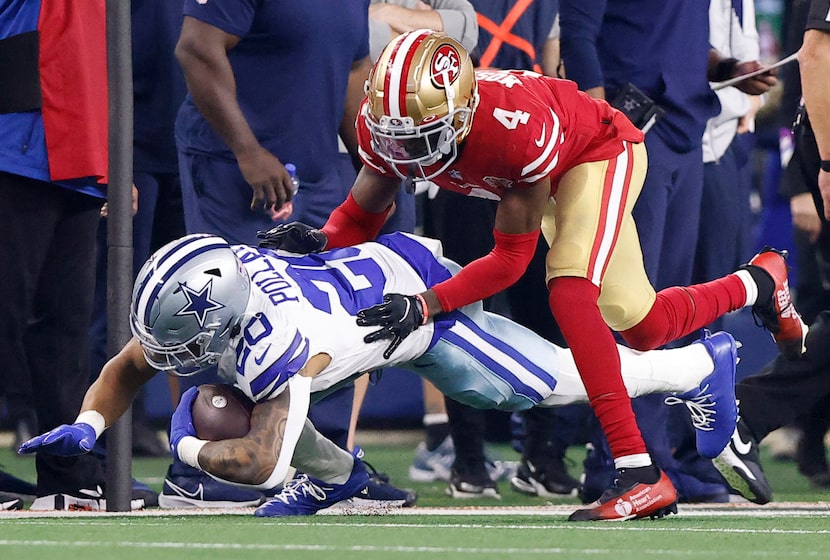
(633, 461)
(750, 285)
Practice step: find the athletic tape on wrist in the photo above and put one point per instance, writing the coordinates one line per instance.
(188, 450)
(94, 419)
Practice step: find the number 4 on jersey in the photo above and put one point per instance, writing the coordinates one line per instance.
(511, 119)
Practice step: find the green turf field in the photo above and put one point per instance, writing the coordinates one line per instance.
(796, 526)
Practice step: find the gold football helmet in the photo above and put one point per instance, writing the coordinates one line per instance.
(421, 97)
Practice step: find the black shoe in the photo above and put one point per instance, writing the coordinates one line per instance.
(9, 502)
(550, 480)
(472, 482)
(740, 466)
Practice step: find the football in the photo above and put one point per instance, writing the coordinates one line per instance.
(221, 412)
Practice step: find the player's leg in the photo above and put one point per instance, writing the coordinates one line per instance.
(585, 230)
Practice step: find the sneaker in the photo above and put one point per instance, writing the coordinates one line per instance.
(629, 498)
(202, 491)
(548, 481)
(9, 502)
(303, 495)
(712, 405)
(84, 499)
(472, 483)
(739, 464)
(429, 466)
(779, 315)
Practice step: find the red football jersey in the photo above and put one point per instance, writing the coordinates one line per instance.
(526, 127)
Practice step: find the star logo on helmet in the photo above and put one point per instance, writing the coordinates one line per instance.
(199, 304)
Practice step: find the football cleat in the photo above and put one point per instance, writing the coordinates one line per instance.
(198, 490)
(304, 495)
(379, 493)
(629, 498)
(472, 483)
(547, 481)
(712, 405)
(778, 315)
(739, 464)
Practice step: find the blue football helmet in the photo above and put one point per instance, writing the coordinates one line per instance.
(187, 299)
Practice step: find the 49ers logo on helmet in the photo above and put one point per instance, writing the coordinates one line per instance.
(445, 66)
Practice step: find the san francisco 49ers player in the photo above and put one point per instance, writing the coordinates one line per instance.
(559, 163)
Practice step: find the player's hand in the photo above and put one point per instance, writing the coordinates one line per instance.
(267, 177)
(756, 85)
(295, 237)
(397, 316)
(65, 440)
(181, 424)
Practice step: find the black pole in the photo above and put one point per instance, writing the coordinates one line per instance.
(119, 236)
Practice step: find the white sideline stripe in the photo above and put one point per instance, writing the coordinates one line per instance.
(733, 510)
(29, 544)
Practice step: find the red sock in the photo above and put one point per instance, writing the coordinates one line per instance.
(574, 304)
(679, 311)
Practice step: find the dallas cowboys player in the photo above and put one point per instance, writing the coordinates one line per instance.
(283, 327)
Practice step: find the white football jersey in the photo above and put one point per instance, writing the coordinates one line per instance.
(302, 305)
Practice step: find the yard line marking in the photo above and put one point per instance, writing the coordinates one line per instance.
(29, 544)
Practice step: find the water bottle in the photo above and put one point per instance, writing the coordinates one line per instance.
(292, 170)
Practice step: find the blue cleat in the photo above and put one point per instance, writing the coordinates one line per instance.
(712, 405)
(186, 487)
(304, 495)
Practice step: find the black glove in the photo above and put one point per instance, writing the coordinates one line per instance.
(397, 316)
(295, 237)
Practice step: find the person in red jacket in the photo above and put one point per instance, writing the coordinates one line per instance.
(562, 164)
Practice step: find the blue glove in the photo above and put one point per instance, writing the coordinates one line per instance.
(64, 440)
(181, 424)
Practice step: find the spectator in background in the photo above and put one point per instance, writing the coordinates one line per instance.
(663, 50)
(269, 83)
(53, 173)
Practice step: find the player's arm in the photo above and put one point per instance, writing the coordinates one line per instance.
(202, 52)
(105, 401)
(518, 221)
(261, 458)
(517, 226)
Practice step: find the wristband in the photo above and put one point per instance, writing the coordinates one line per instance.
(94, 419)
(424, 308)
(825, 165)
(188, 450)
